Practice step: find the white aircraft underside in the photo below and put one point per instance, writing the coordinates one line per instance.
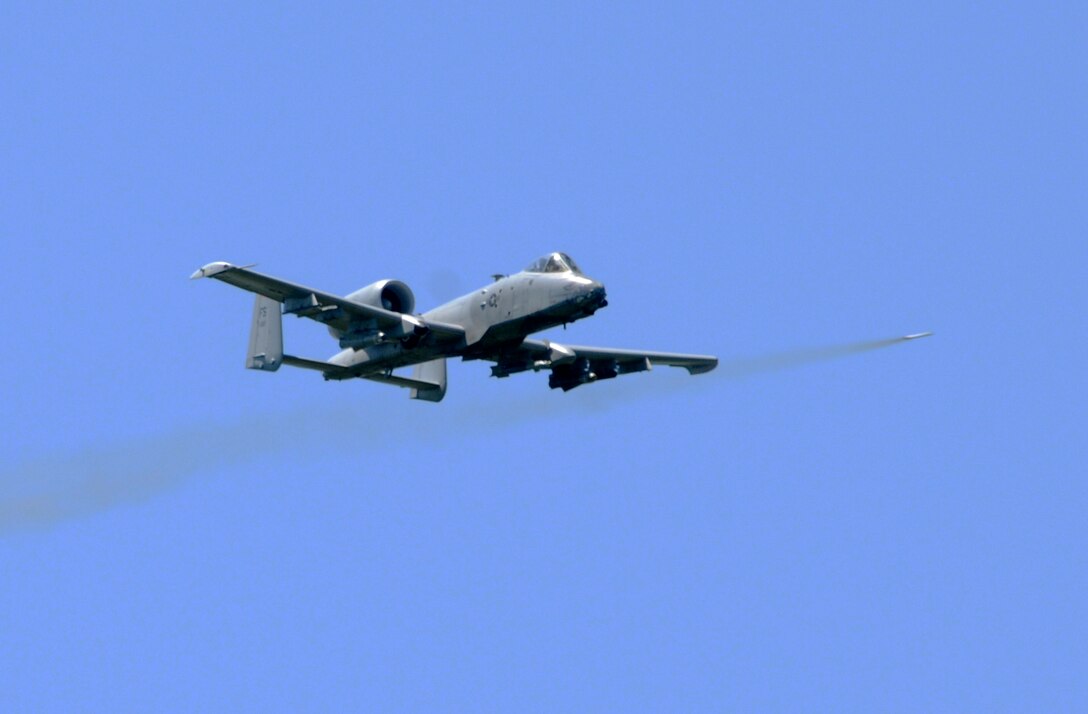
(378, 330)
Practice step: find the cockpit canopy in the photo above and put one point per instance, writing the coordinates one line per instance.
(554, 263)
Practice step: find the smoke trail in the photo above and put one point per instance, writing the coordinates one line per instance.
(796, 358)
(52, 490)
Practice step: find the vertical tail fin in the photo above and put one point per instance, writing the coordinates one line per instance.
(265, 336)
(434, 372)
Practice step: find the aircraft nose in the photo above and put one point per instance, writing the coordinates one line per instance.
(597, 293)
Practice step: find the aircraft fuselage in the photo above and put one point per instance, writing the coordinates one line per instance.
(497, 315)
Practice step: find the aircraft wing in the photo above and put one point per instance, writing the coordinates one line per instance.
(572, 365)
(326, 308)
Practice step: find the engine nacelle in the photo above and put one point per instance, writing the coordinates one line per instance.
(390, 295)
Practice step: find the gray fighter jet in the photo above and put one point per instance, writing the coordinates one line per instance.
(379, 331)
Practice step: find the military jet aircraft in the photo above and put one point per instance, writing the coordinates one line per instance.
(379, 331)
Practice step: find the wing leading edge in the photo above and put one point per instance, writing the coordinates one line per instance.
(326, 308)
(574, 365)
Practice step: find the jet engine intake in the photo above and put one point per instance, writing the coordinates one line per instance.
(392, 295)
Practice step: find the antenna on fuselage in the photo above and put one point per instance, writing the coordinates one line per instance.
(497, 277)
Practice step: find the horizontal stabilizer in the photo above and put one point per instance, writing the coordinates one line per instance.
(330, 370)
(339, 372)
(398, 381)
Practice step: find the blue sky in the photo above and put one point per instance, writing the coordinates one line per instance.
(901, 530)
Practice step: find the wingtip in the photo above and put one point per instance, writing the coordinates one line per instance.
(707, 365)
(210, 269)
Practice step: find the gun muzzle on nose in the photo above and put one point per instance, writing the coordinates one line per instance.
(597, 294)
